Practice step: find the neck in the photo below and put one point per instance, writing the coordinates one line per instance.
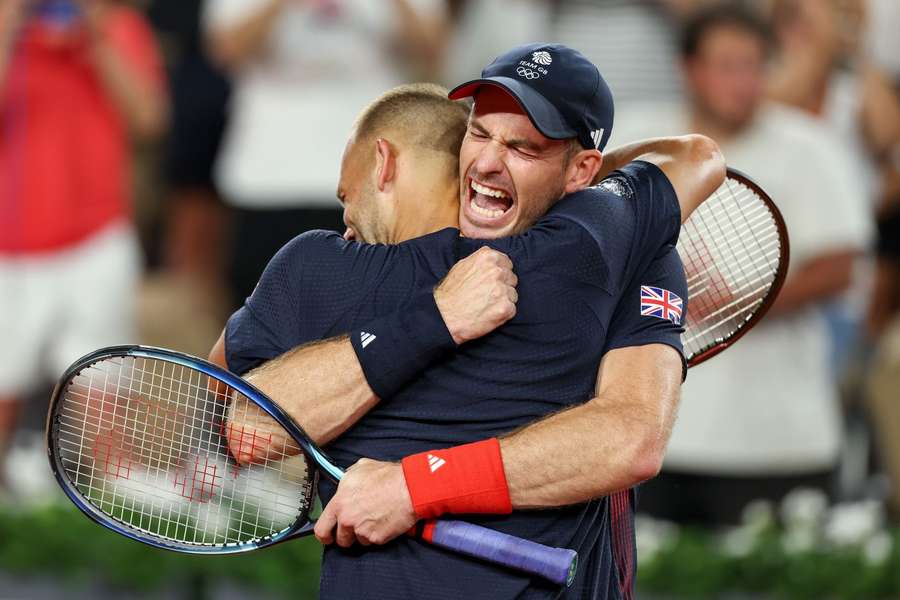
(427, 210)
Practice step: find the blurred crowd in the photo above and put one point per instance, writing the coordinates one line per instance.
(154, 155)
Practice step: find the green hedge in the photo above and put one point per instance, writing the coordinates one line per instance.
(687, 563)
(60, 540)
(696, 567)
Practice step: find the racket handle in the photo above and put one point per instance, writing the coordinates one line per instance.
(556, 564)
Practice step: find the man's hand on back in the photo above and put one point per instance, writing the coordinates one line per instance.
(478, 295)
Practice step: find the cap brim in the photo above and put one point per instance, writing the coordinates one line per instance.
(540, 111)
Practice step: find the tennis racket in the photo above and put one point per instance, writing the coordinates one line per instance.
(735, 252)
(143, 441)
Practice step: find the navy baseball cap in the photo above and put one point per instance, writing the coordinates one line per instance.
(562, 92)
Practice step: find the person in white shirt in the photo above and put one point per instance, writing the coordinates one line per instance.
(826, 68)
(763, 417)
(302, 69)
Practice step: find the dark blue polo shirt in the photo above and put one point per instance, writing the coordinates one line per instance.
(584, 271)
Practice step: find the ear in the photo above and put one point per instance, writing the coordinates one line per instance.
(582, 169)
(385, 164)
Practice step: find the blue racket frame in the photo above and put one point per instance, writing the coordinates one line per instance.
(313, 452)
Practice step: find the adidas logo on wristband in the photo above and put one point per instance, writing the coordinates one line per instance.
(435, 462)
(472, 480)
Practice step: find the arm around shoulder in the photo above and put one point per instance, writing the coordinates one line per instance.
(693, 164)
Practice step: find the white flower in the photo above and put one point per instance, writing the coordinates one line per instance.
(804, 507)
(28, 475)
(798, 540)
(853, 523)
(739, 542)
(758, 515)
(877, 550)
(652, 536)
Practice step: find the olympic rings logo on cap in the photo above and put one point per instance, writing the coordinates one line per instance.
(527, 73)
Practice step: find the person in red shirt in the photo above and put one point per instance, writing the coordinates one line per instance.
(79, 79)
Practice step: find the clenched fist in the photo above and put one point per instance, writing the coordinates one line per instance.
(477, 295)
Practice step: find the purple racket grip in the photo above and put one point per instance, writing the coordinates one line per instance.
(556, 564)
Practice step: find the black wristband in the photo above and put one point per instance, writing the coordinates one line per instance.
(394, 349)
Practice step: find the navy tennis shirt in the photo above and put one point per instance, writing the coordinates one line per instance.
(587, 272)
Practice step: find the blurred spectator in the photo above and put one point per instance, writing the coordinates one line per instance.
(883, 327)
(763, 417)
(476, 38)
(183, 299)
(883, 393)
(827, 66)
(195, 219)
(633, 42)
(302, 69)
(823, 69)
(76, 77)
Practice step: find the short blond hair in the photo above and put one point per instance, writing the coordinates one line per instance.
(419, 115)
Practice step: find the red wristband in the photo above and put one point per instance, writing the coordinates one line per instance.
(462, 479)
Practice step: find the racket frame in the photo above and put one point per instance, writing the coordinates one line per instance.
(310, 449)
(777, 282)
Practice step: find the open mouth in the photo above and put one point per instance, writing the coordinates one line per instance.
(488, 202)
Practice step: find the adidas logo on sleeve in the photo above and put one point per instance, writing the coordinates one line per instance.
(366, 338)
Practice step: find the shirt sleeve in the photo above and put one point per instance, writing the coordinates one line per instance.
(259, 330)
(313, 282)
(656, 214)
(653, 308)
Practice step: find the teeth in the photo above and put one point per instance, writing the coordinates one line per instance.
(485, 212)
(488, 191)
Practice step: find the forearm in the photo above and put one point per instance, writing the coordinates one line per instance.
(885, 298)
(6, 44)
(612, 442)
(622, 155)
(880, 114)
(423, 39)
(321, 385)
(232, 47)
(693, 164)
(328, 386)
(10, 22)
(141, 102)
(800, 78)
(586, 452)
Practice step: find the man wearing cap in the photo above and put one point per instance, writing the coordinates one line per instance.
(580, 270)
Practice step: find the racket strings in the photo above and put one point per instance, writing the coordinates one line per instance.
(731, 250)
(146, 442)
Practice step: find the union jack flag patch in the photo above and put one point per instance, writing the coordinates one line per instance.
(657, 302)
